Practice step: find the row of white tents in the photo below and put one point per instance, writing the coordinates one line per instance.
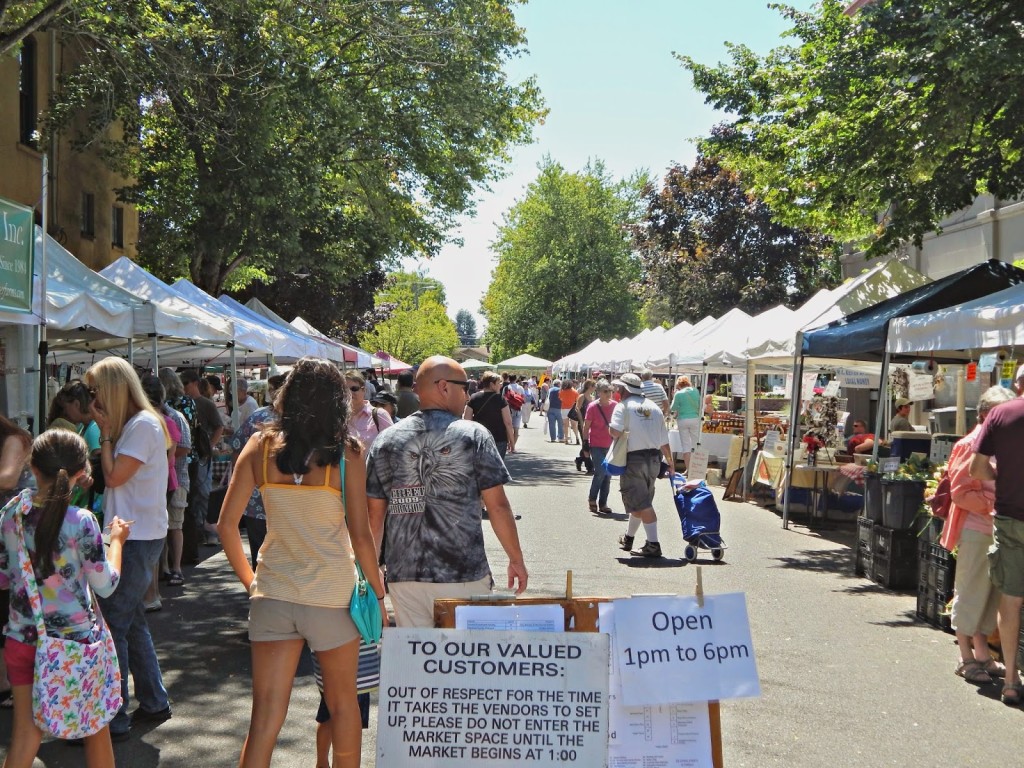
(125, 311)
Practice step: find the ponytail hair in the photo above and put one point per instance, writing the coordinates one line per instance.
(57, 455)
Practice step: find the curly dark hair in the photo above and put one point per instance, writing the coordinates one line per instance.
(311, 417)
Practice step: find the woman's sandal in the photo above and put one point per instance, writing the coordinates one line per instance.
(973, 671)
(1011, 695)
(994, 668)
(7, 699)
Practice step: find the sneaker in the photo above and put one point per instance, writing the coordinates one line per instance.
(142, 716)
(626, 542)
(651, 549)
(154, 606)
(579, 464)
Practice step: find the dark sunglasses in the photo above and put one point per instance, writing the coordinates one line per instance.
(354, 389)
(458, 382)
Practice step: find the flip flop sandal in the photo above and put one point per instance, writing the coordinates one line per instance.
(995, 668)
(973, 671)
(1011, 695)
(176, 580)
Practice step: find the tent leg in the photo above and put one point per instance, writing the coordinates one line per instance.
(961, 402)
(794, 427)
(40, 425)
(235, 415)
(883, 406)
(749, 424)
(156, 354)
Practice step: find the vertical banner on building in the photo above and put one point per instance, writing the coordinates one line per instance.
(17, 241)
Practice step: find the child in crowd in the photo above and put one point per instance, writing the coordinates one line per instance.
(65, 546)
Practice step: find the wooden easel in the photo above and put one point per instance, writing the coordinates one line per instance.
(581, 615)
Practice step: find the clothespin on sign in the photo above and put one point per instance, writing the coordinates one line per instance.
(568, 585)
(700, 588)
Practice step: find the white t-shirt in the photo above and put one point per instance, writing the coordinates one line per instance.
(144, 497)
(646, 423)
(246, 409)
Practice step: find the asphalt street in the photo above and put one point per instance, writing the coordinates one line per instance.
(848, 677)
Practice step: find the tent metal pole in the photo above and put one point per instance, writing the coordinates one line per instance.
(156, 353)
(794, 427)
(749, 423)
(704, 389)
(43, 346)
(961, 401)
(235, 415)
(883, 405)
(131, 351)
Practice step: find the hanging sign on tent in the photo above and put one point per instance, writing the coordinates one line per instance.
(832, 388)
(1009, 369)
(987, 362)
(17, 241)
(739, 385)
(807, 385)
(922, 386)
(972, 371)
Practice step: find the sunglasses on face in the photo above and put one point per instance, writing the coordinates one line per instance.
(457, 382)
(355, 389)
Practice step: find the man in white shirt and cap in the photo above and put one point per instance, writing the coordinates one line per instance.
(646, 448)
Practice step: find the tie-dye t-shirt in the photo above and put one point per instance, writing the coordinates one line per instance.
(431, 468)
(67, 609)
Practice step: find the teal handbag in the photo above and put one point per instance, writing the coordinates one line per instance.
(363, 607)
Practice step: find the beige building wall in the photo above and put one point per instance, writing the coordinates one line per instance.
(72, 173)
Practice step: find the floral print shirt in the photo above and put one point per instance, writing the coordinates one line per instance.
(80, 564)
(238, 440)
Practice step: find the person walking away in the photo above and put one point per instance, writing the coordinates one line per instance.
(317, 529)
(65, 545)
(427, 476)
(580, 413)
(653, 390)
(553, 401)
(133, 452)
(968, 529)
(646, 446)
(999, 439)
(516, 414)
(566, 400)
(211, 430)
(686, 410)
(489, 408)
(408, 400)
(597, 436)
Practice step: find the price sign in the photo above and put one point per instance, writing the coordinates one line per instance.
(698, 465)
(832, 388)
(922, 386)
(972, 371)
(1009, 369)
(987, 362)
(771, 440)
(889, 465)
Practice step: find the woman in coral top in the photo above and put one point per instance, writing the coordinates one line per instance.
(969, 528)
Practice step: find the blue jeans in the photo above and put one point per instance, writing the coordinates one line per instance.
(555, 424)
(125, 615)
(601, 481)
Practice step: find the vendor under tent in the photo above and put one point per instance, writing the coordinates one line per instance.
(524, 362)
(863, 335)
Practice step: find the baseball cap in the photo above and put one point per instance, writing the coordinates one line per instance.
(384, 397)
(901, 401)
(631, 382)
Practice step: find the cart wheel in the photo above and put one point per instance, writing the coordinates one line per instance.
(717, 554)
(690, 553)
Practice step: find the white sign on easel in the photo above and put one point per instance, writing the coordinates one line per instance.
(698, 465)
(771, 440)
(479, 698)
(922, 387)
(671, 649)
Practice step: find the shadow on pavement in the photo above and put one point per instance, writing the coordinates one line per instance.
(530, 470)
(830, 561)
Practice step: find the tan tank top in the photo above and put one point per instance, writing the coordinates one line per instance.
(307, 555)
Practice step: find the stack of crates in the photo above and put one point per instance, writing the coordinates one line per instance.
(888, 557)
(935, 585)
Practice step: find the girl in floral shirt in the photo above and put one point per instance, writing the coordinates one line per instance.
(66, 548)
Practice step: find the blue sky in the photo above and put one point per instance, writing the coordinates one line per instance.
(615, 92)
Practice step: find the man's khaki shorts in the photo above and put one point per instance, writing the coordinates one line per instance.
(637, 484)
(177, 501)
(1006, 557)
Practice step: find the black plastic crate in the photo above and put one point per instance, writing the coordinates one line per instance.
(873, 497)
(862, 562)
(944, 577)
(939, 554)
(894, 574)
(894, 544)
(901, 501)
(923, 599)
(865, 526)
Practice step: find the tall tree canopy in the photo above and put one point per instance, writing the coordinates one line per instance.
(565, 272)
(20, 18)
(879, 125)
(272, 135)
(465, 325)
(417, 325)
(708, 246)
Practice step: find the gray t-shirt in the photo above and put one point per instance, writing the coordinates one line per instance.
(431, 468)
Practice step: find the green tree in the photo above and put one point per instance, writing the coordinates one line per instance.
(879, 125)
(565, 272)
(271, 135)
(20, 18)
(465, 325)
(417, 325)
(707, 246)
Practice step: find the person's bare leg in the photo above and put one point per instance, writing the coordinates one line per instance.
(25, 736)
(1009, 631)
(174, 545)
(273, 671)
(99, 751)
(339, 669)
(323, 745)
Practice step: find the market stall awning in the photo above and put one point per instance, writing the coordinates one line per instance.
(476, 365)
(862, 335)
(524, 363)
(390, 365)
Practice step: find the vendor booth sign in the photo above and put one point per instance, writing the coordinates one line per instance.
(17, 239)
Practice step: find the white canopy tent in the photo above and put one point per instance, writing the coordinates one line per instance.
(331, 349)
(524, 362)
(476, 365)
(359, 357)
(675, 340)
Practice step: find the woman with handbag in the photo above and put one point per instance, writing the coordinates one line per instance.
(597, 436)
(52, 560)
(311, 475)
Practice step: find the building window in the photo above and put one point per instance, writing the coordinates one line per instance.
(88, 214)
(27, 108)
(117, 227)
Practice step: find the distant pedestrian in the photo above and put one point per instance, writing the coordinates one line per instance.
(598, 438)
(653, 390)
(408, 401)
(686, 409)
(489, 408)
